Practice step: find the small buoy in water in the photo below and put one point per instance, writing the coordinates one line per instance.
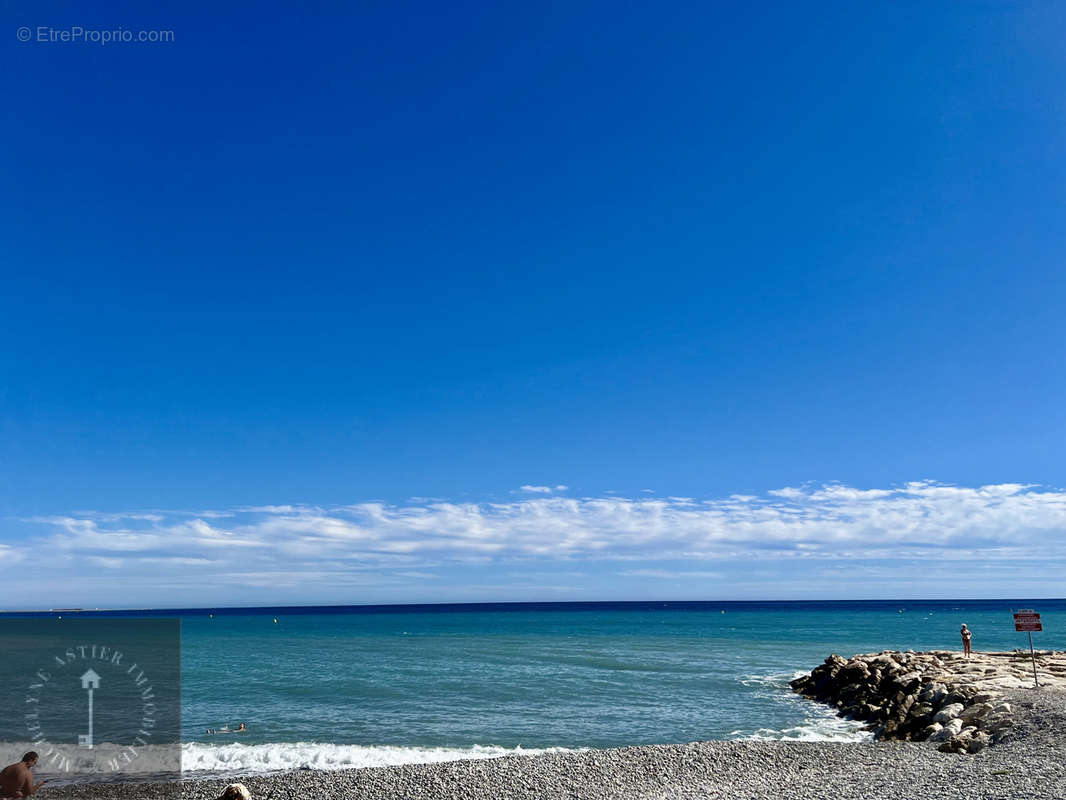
(900, 611)
(275, 620)
(211, 615)
(723, 610)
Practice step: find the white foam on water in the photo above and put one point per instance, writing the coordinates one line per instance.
(105, 762)
(819, 723)
(68, 763)
(103, 757)
(833, 729)
(777, 680)
(276, 757)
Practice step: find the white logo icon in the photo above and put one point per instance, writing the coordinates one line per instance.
(89, 682)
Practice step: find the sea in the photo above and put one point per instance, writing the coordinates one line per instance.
(356, 686)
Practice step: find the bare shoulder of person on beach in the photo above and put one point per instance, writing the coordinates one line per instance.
(16, 780)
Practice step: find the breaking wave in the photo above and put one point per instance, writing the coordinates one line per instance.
(817, 722)
(204, 759)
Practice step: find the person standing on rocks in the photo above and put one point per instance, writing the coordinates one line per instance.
(966, 636)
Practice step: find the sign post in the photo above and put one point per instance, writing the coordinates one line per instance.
(1025, 619)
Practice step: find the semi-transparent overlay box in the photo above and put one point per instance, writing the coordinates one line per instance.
(98, 699)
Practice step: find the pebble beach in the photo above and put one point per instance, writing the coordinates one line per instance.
(1028, 764)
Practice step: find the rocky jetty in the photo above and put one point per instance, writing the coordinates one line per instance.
(938, 696)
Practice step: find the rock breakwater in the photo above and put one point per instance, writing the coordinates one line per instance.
(938, 696)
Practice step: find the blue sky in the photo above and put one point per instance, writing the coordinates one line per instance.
(335, 284)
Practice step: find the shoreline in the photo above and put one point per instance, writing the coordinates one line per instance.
(1025, 761)
(1029, 763)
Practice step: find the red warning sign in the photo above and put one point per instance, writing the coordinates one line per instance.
(1027, 621)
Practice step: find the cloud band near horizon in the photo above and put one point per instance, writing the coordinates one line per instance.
(378, 544)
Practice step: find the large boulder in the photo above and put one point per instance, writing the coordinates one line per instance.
(855, 671)
(907, 682)
(948, 713)
(950, 729)
(932, 730)
(933, 693)
(973, 712)
(883, 662)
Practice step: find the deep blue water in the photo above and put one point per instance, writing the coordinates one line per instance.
(337, 686)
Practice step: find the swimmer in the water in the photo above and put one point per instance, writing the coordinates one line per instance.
(239, 729)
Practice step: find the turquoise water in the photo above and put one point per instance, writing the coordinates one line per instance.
(348, 687)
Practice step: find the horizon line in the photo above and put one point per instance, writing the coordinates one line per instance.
(313, 606)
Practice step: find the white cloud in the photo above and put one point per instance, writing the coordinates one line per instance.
(669, 574)
(536, 489)
(376, 543)
(106, 563)
(284, 509)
